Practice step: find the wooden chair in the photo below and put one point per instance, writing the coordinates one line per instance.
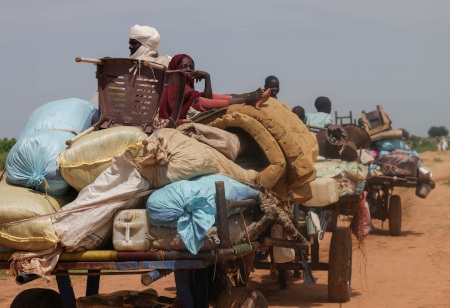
(130, 91)
(339, 120)
(376, 121)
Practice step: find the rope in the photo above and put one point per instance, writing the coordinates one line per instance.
(308, 277)
(215, 266)
(245, 225)
(242, 249)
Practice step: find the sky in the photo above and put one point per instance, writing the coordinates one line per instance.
(360, 54)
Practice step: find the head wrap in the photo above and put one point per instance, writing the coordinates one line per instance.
(148, 37)
(167, 100)
(174, 64)
(322, 102)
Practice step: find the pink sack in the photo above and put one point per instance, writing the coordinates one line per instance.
(362, 223)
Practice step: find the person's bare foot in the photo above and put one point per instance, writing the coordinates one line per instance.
(254, 97)
(250, 98)
(266, 95)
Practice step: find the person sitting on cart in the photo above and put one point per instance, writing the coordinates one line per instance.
(271, 82)
(206, 100)
(143, 44)
(322, 117)
(300, 112)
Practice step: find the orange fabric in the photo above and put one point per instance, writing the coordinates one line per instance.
(218, 101)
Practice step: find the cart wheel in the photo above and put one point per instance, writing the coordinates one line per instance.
(37, 298)
(395, 215)
(241, 297)
(331, 226)
(340, 266)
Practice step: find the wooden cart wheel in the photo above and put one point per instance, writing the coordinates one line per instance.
(242, 297)
(340, 265)
(37, 298)
(395, 215)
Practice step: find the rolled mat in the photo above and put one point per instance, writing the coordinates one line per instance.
(388, 134)
(297, 144)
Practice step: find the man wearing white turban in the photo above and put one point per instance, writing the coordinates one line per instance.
(144, 41)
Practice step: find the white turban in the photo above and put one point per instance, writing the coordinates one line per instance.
(148, 37)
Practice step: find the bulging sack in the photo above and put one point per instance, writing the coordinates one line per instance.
(82, 162)
(190, 206)
(59, 115)
(17, 203)
(113, 190)
(398, 163)
(171, 156)
(31, 162)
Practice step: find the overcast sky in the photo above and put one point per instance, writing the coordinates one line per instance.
(358, 53)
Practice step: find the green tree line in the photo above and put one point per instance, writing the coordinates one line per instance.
(5, 146)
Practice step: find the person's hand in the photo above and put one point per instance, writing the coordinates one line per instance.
(200, 75)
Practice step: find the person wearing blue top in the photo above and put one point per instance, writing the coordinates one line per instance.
(322, 117)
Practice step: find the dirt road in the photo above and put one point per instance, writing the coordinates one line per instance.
(411, 270)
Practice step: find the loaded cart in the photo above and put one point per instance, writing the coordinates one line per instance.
(211, 205)
(224, 270)
(230, 265)
(338, 197)
(384, 204)
(395, 164)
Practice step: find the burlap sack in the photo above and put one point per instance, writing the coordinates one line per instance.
(171, 156)
(226, 143)
(82, 162)
(18, 203)
(168, 238)
(113, 190)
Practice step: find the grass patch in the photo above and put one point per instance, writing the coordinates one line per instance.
(447, 183)
(3, 156)
(437, 160)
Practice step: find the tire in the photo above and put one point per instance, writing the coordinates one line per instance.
(242, 297)
(395, 215)
(340, 266)
(331, 226)
(37, 298)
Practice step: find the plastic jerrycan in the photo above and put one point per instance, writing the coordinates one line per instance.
(325, 192)
(130, 229)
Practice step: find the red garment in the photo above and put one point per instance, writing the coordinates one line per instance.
(218, 101)
(168, 98)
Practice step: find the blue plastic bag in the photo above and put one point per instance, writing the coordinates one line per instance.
(32, 160)
(64, 114)
(190, 206)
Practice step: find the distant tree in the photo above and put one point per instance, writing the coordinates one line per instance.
(405, 133)
(7, 144)
(435, 131)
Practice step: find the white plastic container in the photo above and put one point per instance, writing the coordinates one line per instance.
(325, 192)
(130, 230)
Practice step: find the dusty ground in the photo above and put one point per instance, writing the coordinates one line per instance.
(412, 270)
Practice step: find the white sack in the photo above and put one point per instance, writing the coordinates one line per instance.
(88, 229)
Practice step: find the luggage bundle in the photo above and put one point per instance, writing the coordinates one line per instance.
(392, 156)
(170, 174)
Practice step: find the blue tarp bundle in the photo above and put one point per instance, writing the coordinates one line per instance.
(190, 206)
